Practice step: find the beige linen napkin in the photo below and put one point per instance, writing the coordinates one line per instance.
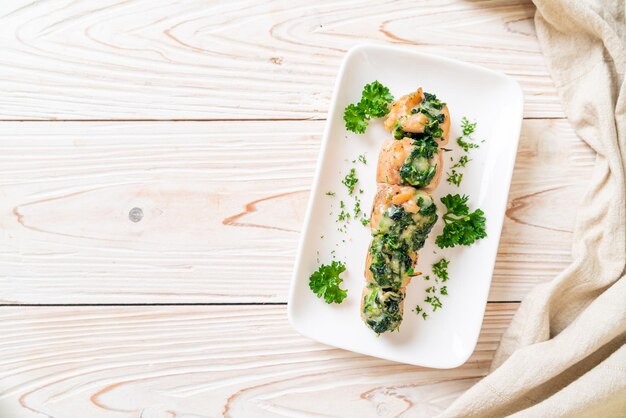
(564, 353)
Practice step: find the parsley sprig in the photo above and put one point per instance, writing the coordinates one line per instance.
(325, 282)
(374, 103)
(462, 227)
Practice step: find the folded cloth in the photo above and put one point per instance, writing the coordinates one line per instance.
(564, 354)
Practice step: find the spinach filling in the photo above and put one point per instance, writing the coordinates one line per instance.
(431, 107)
(417, 169)
(382, 309)
(390, 261)
(405, 231)
(399, 233)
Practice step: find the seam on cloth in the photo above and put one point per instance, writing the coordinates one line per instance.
(506, 397)
(578, 77)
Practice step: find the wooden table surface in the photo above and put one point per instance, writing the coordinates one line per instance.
(207, 116)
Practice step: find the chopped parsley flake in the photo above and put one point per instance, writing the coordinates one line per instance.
(357, 208)
(434, 302)
(465, 144)
(468, 128)
(362, 159)
(440, 269)
(462, 162)
(350, 180)
(455, 177)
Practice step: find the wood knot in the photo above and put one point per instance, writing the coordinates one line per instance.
(135, 215)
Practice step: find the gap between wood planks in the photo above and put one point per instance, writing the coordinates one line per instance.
(18, 305)
(213, 120)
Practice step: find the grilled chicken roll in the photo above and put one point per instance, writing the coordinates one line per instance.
(410, 162)
(401, 219)
(409, 167)
(382, 308)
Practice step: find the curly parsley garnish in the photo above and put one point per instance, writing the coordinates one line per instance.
(325, 282)
(375, 100)
(462, 227)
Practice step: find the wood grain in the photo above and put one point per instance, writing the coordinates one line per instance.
(232, 361)
(223, 204)
(238, 59)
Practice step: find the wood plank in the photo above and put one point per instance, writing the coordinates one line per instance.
(208, 361)
(222, 206)
(238, 59)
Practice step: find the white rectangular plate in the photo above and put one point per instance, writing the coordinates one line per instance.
(448, 337)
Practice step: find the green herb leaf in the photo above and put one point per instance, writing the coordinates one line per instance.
(350, 180)
(440, 269)
(374, 103)
(434, 302)
(468, 128)
(466, 145)
(461, 227)
(375, 99)
(325, 282)
(462, 162)
(455, 177)
(355, 119)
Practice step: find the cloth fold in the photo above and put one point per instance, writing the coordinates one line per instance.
(564, 353)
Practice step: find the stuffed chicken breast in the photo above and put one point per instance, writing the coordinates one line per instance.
(409, 168)
(401, 219)
(410, 162)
